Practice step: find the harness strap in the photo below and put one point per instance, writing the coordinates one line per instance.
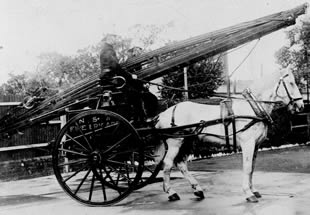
(257, 107)
(227, 111)
(247, 126)
(292, 100)
(173, 117)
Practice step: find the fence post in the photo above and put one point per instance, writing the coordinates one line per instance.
(308, 127)
(63, 121)
(185, 83)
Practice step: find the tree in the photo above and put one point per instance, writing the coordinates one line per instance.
(149, 36)
(22, 85)
(64, 71)
(204, 78)
(296, 55)
(55, 71)
(16, 85)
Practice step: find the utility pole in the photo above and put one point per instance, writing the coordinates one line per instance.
(226, 72)
(307, 78)
(185, 83)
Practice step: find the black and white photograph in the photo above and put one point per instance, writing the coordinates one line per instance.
(155, 107)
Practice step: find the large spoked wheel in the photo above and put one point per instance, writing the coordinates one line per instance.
(98, 158)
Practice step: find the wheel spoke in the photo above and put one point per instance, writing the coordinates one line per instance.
(91, 187)
(82, 133)
(109, 176)
(86, 134)
(72, 152)
(110, 126)
(76, 172)
(79, 161)
(120, 163)
(131, 151)
(117, 144)
(127, 171)
(115, 129)
(118, 176)
(82, 182)
(150, 170)
(74, 140)
(102, 185)
(120, 173)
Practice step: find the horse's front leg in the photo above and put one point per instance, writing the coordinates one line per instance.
(248, 150)
(173, 149)
(190, 178)
(254, 191)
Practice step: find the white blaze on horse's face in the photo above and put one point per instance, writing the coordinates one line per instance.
(288, 92)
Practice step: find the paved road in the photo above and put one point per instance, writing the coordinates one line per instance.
(283, 193)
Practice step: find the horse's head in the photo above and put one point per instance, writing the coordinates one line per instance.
(287, 91)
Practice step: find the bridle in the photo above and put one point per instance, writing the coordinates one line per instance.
(281, 81)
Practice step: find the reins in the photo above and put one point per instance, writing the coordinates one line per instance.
(215, 95)
(292, 100)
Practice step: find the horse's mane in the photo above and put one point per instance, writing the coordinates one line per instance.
(267, 82)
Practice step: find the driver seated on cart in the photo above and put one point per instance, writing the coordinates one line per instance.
(144, 103)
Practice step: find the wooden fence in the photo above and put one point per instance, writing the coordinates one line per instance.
(300, 124)
(27, 150)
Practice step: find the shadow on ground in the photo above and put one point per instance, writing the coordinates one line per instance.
(294, 159)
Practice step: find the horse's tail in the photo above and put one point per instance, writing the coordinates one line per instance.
(155, 148)
(160, 151)
(187, 149)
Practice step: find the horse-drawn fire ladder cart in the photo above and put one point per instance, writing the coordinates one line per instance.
(99, 157)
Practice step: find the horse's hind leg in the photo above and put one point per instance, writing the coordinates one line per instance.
(194, 183)
(173, 149)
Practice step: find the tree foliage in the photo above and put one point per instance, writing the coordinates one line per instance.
(296, 54)
(56, 72)
(16, 85)
(148, 36)
(204, 78)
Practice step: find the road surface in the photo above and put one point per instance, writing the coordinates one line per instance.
(283, 193)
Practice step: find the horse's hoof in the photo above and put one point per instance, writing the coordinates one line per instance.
(174, 197)
(252, 199)
(257, 194)
(199, 194)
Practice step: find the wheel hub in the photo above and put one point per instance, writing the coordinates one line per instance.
(95, 158)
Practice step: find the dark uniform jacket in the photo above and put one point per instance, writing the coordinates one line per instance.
(136, 92)
(109, 63)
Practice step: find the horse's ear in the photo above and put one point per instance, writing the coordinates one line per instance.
(285, 71)
(282, 71)
(289, 69)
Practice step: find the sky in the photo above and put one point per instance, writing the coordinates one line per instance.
(31, 27)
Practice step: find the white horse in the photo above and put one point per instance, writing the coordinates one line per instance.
(281, 87)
